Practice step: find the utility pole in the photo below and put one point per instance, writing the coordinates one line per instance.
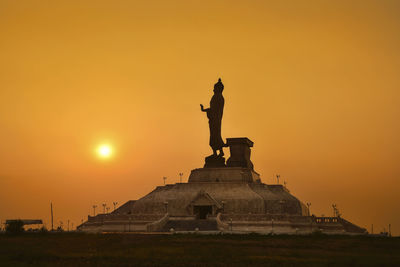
(164, 178)
(94, 210)
(277, 178)
(180, 175)
(51, 209)
(115, 204)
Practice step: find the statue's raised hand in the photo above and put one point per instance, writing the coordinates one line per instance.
(202, 107)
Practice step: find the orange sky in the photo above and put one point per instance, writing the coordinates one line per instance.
(314, 84)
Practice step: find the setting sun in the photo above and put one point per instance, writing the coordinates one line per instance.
(104, 151)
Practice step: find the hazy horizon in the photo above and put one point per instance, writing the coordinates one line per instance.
(314, 85)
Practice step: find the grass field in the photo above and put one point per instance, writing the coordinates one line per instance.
(76, 249)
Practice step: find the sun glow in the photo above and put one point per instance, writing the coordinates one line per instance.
(104, 151)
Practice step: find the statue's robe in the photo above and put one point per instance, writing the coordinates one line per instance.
(214, 115)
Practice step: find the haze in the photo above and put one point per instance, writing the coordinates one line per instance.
(314, 84)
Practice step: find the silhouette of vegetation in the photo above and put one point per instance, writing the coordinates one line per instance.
(15, 227)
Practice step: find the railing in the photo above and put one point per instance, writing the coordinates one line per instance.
(221, 225)
(125, 217)
(157, 225)
(319, 220)
(350, 227)
(263, 217)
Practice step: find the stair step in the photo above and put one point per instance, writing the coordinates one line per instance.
(190, 225)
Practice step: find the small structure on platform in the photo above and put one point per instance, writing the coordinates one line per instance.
(36, 223)
(220, 197)
(26, 221)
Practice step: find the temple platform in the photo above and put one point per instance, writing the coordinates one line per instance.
(219, 198)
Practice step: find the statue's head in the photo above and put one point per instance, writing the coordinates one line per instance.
(218, 87)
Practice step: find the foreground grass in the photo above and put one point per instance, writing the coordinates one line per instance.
(76, 249)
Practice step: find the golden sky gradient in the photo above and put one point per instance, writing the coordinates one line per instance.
(315, 85)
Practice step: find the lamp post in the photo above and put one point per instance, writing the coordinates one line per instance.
(104, 207)
(51, 208)
(107, 208)
(308, 208)
(164, 178)
(94, 210)
(277, 178)
(180, 177)
(115, 204)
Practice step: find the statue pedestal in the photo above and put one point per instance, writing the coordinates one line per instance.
(240, 155)
(240, 152)
(214, 162)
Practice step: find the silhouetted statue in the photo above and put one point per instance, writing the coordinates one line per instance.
(214, 115)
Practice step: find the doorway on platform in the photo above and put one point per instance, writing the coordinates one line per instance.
(202, 211)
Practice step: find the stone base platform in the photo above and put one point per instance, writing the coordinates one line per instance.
(221, 223)
(236, 203)
(224, 175)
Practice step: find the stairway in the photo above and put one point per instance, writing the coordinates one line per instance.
(190, 225)
(352, 228)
